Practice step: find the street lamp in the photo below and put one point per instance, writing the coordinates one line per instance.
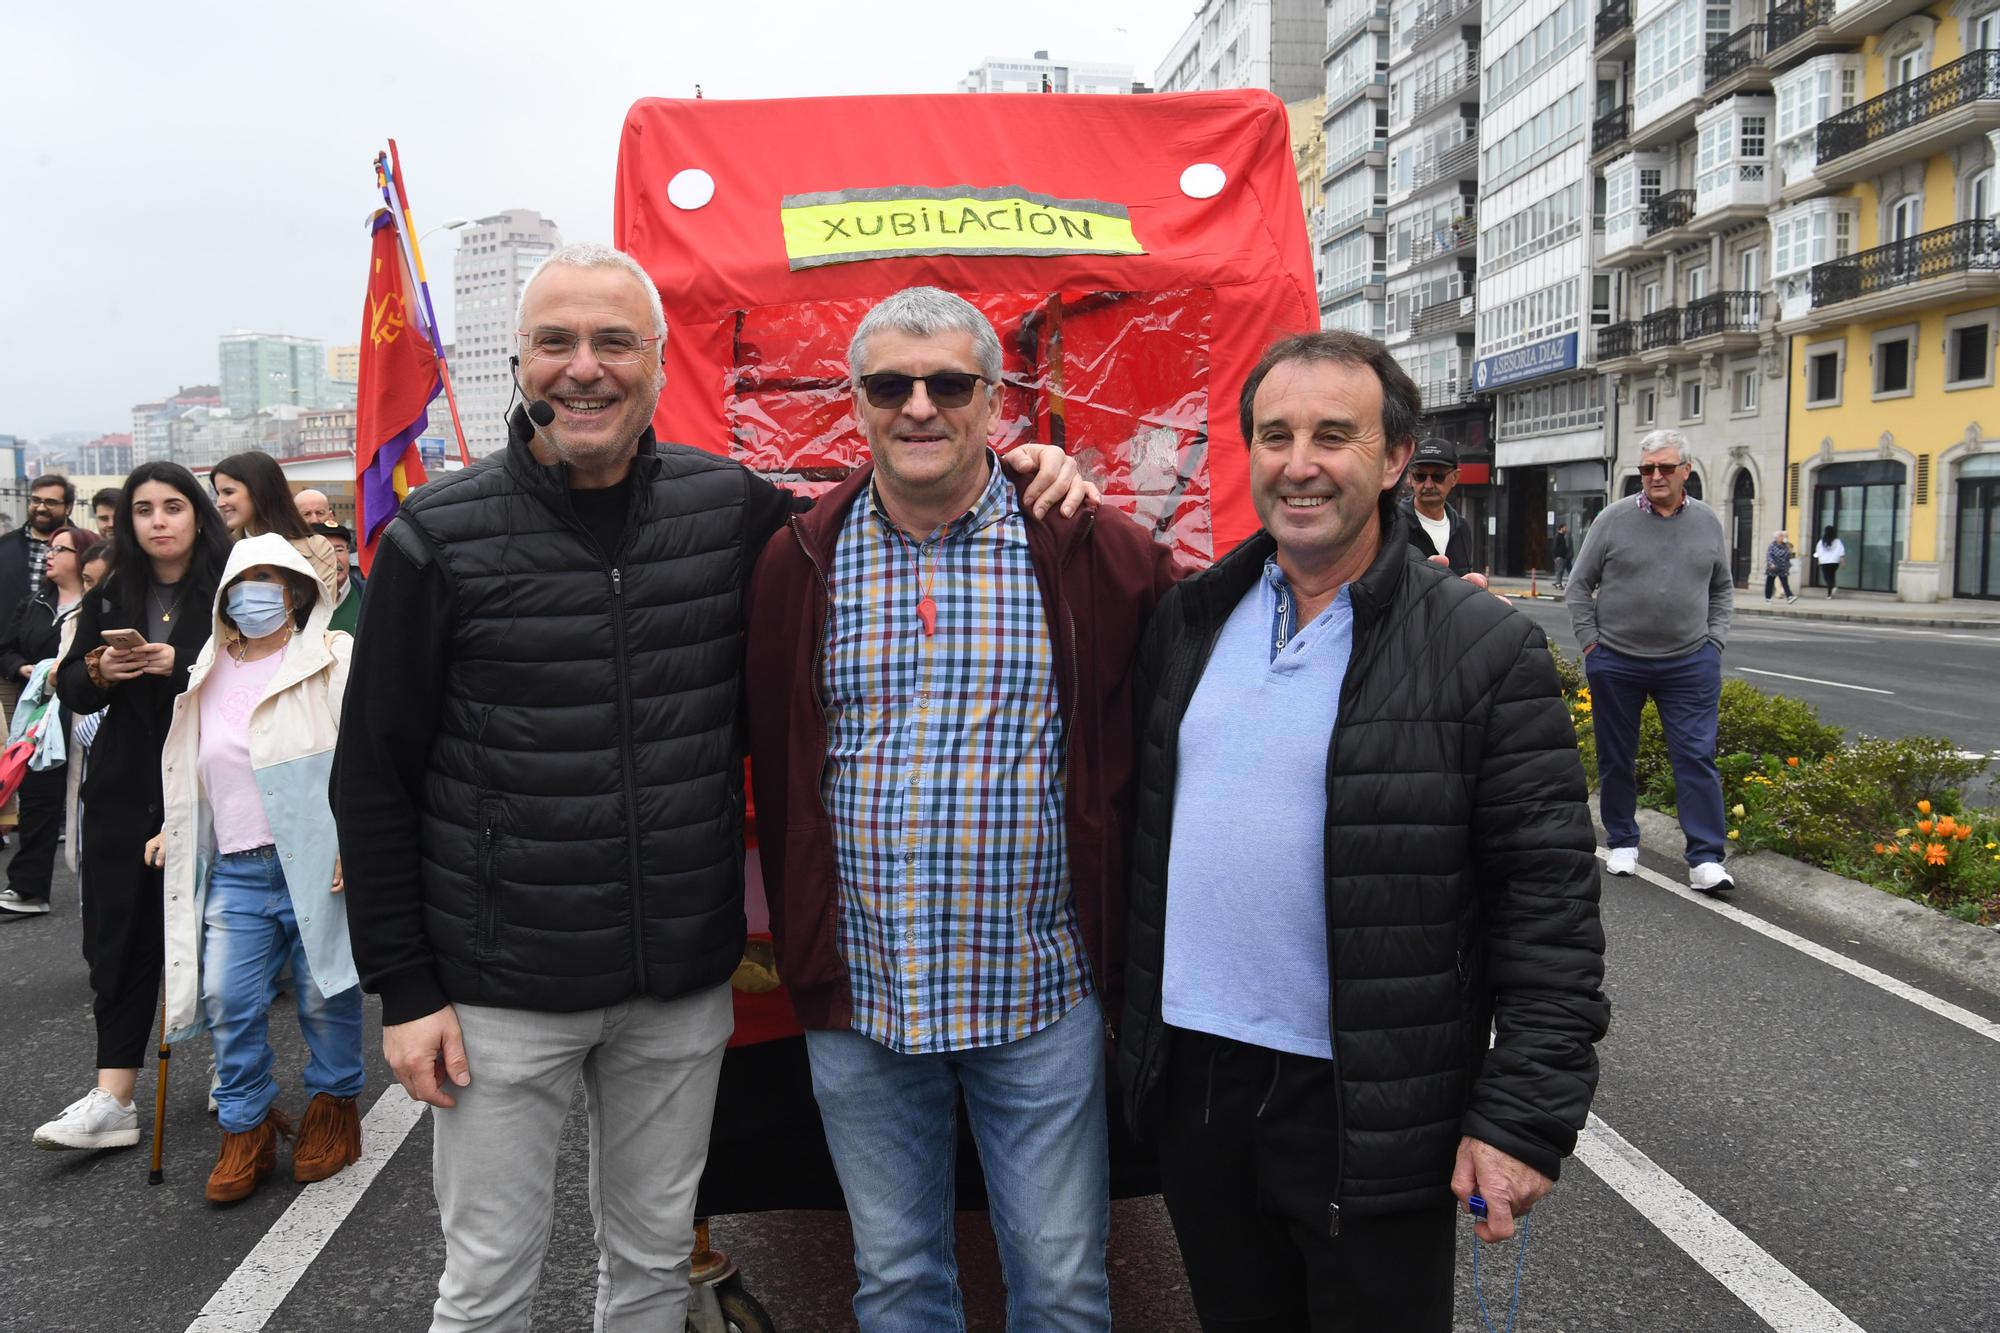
(449, 224)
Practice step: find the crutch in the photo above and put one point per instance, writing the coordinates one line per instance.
(160, 1093)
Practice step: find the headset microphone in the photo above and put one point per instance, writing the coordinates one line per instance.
(539, 410)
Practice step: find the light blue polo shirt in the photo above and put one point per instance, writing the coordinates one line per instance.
(1246, 876)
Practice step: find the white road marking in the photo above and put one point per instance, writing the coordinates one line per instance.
(253, 1293)
(1774, 1292)
(1902, 990)
(1812, 680)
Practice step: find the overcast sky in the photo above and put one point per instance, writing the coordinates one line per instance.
(176, 172)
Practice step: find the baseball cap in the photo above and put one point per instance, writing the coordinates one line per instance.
(1435, 451)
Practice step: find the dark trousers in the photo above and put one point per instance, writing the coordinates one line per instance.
(1248, 1165)
(1827, 576)
(43, 795)
(1688, 692)
(123, 940)
(1782, 580)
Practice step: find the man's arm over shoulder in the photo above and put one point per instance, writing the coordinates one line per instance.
(1543, 945)
(395, 692)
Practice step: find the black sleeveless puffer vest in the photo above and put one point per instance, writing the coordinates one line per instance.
(583, 803)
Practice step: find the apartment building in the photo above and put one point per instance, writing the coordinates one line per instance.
(1538, 296)
(1684, 149)
(1432, 234)
(1886, 273)
(1348, 231)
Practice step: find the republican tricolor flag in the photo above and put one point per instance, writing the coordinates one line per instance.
(400, 377)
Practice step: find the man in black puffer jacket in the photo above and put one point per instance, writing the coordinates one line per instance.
(1362, 848)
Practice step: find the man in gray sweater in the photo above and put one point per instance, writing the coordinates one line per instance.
(1650, 599)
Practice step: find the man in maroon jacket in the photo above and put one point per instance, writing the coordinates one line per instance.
(941, 741)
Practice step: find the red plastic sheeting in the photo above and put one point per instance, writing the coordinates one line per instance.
(1130, 360)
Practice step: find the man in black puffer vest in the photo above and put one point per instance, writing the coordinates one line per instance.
(1362, 847)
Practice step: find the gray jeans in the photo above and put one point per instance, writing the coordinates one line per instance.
(649, 1071)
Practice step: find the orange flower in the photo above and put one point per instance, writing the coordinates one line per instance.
(1792, 762)
(1946, 824)
(1923, 826)
(1934, 854)
(1923, 807)
(1961, 833)
(1879, 849)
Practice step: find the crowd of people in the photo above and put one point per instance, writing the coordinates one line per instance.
(1286, 865)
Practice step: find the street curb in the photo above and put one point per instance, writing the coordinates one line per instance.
(1853, 615)
(1919, 935)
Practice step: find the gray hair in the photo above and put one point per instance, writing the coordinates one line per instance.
(1655, 440)
(589, 255)
(923, 312)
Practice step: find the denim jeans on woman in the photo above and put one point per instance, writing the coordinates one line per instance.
(249, 933)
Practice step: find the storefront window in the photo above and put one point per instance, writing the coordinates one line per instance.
(1863, 502)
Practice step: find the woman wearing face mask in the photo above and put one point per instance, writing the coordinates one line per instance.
(34, 637)
(252, 496)
(247, 759)
(169, 547)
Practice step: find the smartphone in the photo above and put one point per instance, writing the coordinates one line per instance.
(124, 640)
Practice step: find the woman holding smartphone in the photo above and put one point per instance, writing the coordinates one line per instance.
(136, 637)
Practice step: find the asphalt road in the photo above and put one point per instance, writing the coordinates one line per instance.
(1845, 1133)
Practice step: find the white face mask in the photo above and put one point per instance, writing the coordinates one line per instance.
(257, 608)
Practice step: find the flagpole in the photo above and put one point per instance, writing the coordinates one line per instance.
(390, 178)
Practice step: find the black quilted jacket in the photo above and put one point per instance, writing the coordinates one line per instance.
(1461, 888)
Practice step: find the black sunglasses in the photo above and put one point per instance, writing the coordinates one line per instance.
(1430, 473)
(1660, 469)
(946, 388)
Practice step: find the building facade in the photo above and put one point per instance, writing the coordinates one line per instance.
(1886, 271)
(1043, 75)
(266, 370)
(495, 257)
(1269, 44)
(1348, 231)
(152, 434)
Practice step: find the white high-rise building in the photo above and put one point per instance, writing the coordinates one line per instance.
(1271, 44)
(1539, 298)
(1348, 227)
(495, 256)
(1041, 74)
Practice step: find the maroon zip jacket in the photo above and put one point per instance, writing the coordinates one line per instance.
(1100, 577)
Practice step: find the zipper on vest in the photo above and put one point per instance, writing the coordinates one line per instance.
(634, 880)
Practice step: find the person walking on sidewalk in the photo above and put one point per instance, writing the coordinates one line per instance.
(1778, 565)
(1650, 600)
(1828, 554)
(1559, 555)
(246, 764)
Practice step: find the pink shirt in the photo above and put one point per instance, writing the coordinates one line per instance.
(228, 696)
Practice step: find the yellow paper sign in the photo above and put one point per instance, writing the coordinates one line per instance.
(843, 226)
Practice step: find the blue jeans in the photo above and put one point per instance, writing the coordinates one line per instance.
(248, 934)
(1037, 1112)
(1688, 692)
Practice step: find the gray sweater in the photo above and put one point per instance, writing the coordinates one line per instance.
(1647, 586)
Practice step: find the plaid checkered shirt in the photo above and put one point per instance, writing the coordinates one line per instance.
(944, 783)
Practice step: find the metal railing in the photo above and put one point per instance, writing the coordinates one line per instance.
(1434, 16)
(1448, 84)
(1613, 17)
(1784, 22)
(1343, 23)
(1610, 128)
(1616, 340)
(1738, 51)
(1970, 78)
(1963, 247)
(1660, 329)
(1672, 209)
(1460, 233)
(1722, 312)
(1449, 391)
(1459, 161)
(1440, 315)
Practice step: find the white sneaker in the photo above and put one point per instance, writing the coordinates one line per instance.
(1622, 860)
(95, 1120)
(11, 901)
(1710, 877)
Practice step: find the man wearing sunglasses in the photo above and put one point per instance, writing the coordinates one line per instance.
(539, 794)
(1650, 599)
(1436, 529)
(940, 737)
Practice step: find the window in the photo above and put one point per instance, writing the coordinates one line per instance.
(1906, 217)
(1750, 269)
(1648, 406)
(1691, 399)
(1986, 32)
(1977, 201)
(1600, 301)
(1649, 298)
(1697, 282)
(1968, 350)
(1891, 355)
(1825, 363)
(1743, 399)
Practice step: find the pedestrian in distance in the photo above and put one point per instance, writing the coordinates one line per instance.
(1559, 555)
(313, 506)
(104, 509)
(252, 867)
(251, 493)
(1778, 558)
(1436, 529)
(83, 726)
(940, 714)
(22, 562)
(1365, 963)
(1827, 554)
(1650, 601)
(137, 637)
(539, 793)
(348, 580)
(35, 637)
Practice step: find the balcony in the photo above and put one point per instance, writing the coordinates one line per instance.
(1734, 191)
(1668, 211)
(1345, 22)
(1740, 53)
(1434, 18)
(1617, 342)
(1459, 234)
(1660, 330)
(1729, 318)
(1960, 260)
(1451, 391)
(1459, 162)
(1609, 130)
(1614, 27)
(1792, 21)
(1451, 315)
(1924, 116)
(1342, 159)
(1452, 86)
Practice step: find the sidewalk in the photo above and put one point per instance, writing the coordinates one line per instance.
(1864, 608)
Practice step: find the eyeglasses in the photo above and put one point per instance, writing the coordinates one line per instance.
(1659, 469)
(37, 502)
(611, 349)
(1430, 473)
(61, 550)
(946, 388)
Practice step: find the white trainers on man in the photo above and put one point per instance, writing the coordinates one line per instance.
(1622, 860)
(1710, 877)
(95, 1120)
